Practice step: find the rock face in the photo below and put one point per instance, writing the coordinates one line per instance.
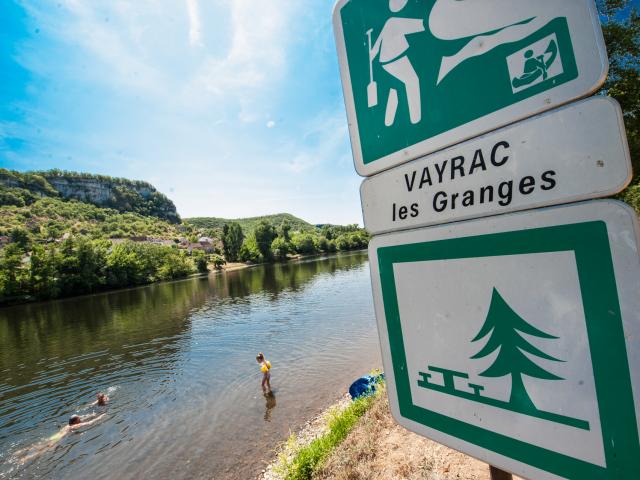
(117, 193)
(87, 190)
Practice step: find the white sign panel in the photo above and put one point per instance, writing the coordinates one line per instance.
(575, 153)
(515, 339)
(422, 75)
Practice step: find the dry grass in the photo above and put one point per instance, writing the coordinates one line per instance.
(378, 449)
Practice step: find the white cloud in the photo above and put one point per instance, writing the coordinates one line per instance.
(324, 141)
(141, 46)
(195, 28)
(257, 52)
(271, 124)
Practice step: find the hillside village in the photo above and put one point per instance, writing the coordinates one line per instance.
(67, 233)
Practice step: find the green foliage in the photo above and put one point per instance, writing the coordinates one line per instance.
(621, 28)
(264, 234)
(20, 236)
(308, 458)
(248, 225)
(12, 271)
(352, 240)
(284, 230)
(62, 244)
(249, 251)
(232, 238)
(217, 261)
(200, 261)
(79, 265)
(48, 219)
(632, 195)
(280, 248)
(20, 189)
(304, 243)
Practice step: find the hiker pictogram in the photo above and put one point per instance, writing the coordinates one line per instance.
(504, 329)
(390, 47)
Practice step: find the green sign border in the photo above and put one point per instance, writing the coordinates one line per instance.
(590, 244)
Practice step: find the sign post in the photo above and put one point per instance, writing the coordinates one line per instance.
(574, 153)
(513, 337)
(421, 75)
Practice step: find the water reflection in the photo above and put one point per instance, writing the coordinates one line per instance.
(179, 362)
(270, 404)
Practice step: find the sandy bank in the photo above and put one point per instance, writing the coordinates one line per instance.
(379, 449)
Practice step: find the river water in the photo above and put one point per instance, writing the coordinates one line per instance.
(178, 362)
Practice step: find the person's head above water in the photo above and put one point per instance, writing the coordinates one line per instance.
(260, 357)
(101, 398)
(75, 420)
(397, 5)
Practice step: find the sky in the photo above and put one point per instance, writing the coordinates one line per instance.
(232, 108)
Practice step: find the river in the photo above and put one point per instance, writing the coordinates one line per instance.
(178, 362)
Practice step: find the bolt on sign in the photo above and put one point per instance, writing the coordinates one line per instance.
(576, 152)
(421, 75)
(514, 338)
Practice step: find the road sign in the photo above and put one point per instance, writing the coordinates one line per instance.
(515, 339)
(574, 153)
(423, 75)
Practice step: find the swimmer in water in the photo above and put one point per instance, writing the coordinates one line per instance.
(101, 400)
(265, 367)
(75, 421)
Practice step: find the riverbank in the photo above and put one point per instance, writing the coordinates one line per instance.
(375, 448)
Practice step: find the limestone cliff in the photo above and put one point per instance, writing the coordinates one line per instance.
(118, 193)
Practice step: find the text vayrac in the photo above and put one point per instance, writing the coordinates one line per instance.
(449, 170)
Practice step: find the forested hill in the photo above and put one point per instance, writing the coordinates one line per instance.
(249, 224)
(130, 196)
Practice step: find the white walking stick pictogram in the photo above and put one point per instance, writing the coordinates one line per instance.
(372, 88)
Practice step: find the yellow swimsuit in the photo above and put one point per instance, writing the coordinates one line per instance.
(265, 366)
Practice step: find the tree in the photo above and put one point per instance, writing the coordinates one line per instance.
(232, 238)
(504, 327)
(123, 266)
(249, 250)
(621, 29)
(304, 243)
(265, 233)
(217, 261)
(19, 236)
(43, 273)
(280, 247)
(284, 231)
(200, 260)
(175, 265)
(11, 271)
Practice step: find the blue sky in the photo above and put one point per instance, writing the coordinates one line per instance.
(230, 107)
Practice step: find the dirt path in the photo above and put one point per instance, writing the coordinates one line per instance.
(379, 449)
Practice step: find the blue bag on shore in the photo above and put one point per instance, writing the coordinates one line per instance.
(364, 386)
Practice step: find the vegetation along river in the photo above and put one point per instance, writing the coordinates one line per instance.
(178, 362)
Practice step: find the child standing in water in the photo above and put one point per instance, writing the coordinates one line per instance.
(265, 367)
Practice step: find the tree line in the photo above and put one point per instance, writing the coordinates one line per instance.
(269, 243)
(80, 265)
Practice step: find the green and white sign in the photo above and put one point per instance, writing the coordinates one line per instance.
(515, 338)
(576, 152)
(420, 75)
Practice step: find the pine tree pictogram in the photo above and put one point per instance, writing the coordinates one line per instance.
(505, 327)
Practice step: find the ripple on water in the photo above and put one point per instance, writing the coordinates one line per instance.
(178, 361)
